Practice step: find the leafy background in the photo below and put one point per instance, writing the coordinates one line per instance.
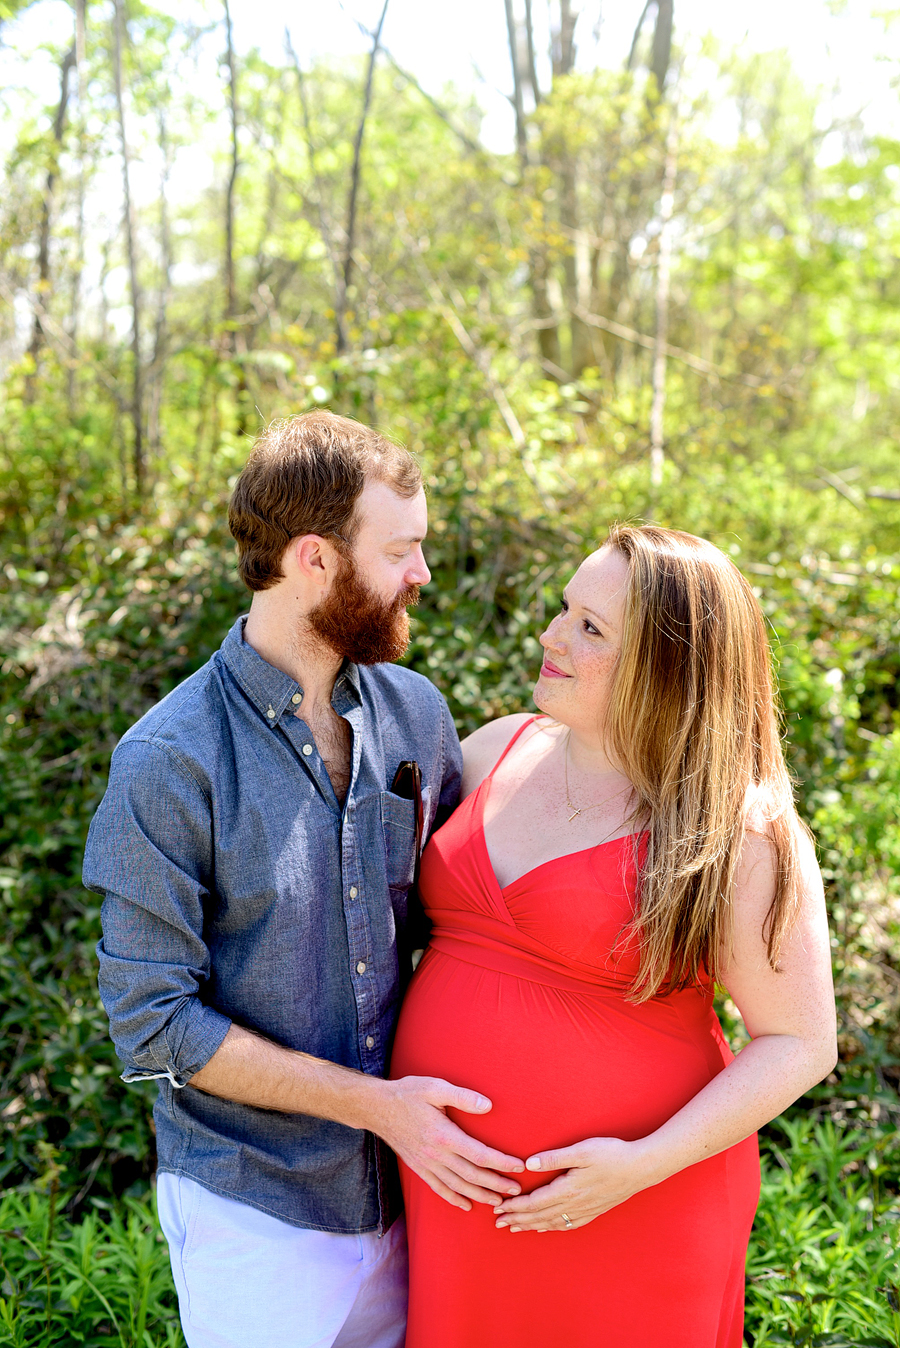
(499, 314)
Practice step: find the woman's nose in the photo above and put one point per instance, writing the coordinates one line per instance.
(553, 637)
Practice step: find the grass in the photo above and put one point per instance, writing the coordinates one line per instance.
(101, 1282)
(823, 1261)
(822, 1268)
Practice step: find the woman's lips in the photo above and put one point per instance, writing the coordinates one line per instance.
(549, 671)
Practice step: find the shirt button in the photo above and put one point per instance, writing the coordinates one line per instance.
(353, 891)
(271, 713)
(370, 1041)
(361, 967)
(297, 699)
(307, 749)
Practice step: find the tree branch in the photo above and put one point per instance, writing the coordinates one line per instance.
(697, 363)
(471, 145)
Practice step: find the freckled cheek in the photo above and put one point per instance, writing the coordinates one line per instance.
(595, 669)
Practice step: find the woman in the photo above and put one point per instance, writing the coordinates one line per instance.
(611, 860)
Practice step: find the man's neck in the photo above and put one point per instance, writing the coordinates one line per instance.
(286, 642)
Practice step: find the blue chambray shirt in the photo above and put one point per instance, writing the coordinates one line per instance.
(235, 887)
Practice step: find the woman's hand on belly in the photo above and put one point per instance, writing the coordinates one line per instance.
(598, 1174)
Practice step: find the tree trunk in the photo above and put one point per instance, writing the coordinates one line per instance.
(340, 334)
(666, 205)
(662, 44)
(78, 269)
(234, 341)
(563, 54)
(43, 282)
(580, 343)
(160, 333)
(538, 269)
(532, 64)
(120, 34)
(518, 101)
(325, 225)
(230, 305)
(632, 55)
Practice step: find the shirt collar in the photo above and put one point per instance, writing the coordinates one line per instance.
(270, 689)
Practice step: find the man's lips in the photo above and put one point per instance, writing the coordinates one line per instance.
(550, 671)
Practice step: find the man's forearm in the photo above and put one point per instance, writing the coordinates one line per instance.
(409, 1115)
(252, 1070)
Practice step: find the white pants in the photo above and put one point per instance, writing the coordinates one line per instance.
(248, 1280)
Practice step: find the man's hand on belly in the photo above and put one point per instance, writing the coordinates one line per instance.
(410, 1117)
(409, 1114)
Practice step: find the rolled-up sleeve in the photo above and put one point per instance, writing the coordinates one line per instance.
(149, 853)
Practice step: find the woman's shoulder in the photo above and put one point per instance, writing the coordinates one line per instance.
(762, 845)
(482, 749)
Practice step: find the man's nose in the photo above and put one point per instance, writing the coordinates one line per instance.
(418, 573)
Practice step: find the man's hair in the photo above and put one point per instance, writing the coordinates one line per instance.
(304, 476)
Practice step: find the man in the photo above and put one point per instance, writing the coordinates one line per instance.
(255, 864)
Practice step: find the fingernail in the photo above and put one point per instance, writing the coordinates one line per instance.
(483, 1102)
(500, 1225)
(514, 1191)
(514, 1229)
(533, 1163)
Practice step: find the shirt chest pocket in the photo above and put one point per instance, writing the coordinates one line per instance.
(398, 822)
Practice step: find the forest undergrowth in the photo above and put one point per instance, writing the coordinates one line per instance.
(505, 315)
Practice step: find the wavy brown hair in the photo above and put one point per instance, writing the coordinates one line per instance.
(305, 476)
(693, 721)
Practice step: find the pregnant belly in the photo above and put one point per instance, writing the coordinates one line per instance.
(558, 1066)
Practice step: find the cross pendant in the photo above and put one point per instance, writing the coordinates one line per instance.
(575, 814)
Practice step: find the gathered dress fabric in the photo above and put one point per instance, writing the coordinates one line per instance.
(521, 995)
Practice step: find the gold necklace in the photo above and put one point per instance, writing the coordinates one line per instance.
(580, 809)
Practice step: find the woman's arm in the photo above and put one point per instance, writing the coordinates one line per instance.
(791, 1018)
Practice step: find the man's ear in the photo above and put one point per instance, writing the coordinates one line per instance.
(311, 557)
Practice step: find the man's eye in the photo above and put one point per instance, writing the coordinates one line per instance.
(563, 606)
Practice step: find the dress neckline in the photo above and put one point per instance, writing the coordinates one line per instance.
(480, 821)
(566, 856)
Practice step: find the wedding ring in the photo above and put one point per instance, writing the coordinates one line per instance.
(569, 1224)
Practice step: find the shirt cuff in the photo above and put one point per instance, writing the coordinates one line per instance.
(181, 1048)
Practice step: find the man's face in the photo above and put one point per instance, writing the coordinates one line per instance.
(363, 617)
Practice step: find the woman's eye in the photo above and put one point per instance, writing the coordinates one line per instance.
(589, 627)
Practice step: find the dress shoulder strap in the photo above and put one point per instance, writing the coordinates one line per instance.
(523, 727)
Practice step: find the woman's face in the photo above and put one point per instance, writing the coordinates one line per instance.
(582, 643)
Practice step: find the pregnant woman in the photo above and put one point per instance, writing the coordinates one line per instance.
(610, 862)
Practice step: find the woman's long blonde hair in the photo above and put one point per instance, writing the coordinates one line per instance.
(692, 720)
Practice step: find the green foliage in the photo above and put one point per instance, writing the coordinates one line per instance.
(104, 1282)
(126, 625)
(822, 1268)
(823, 1260)
(782, 400)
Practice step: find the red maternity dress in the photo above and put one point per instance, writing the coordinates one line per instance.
(521, 995)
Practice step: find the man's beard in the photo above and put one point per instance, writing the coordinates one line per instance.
(358, 624)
